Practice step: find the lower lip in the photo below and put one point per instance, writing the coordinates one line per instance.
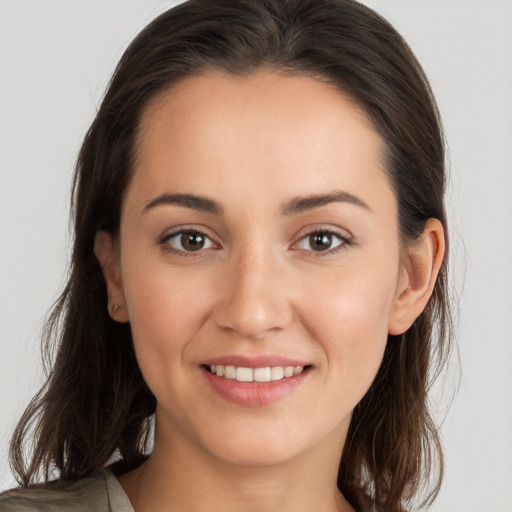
(255, 394)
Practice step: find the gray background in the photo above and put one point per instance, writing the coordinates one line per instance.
(55, 60)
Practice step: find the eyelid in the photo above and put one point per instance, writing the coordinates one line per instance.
(164, 240)
(342, 235)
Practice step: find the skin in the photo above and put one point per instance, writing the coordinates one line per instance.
(253, 145)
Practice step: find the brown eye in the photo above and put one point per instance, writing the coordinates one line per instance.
(188, 241)
(320, 241)
(192, 240)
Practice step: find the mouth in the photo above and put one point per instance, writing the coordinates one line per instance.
(255, 386)
(264, 374)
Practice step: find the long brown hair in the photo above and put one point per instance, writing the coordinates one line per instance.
(95, 406)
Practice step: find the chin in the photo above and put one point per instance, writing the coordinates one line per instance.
(256, 454)
(274, 444)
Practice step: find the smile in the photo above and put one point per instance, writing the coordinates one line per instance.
(255, 381)
(266, 374)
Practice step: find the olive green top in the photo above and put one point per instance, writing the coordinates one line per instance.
(99, 493)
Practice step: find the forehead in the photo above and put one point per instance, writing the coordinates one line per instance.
(261, 132)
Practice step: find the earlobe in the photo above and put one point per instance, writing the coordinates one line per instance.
(420, 273)
(106, 252)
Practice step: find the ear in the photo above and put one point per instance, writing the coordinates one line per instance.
(419, 275)
(107, 254)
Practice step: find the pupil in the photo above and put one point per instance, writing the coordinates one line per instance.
(192, 241)
(320, 241)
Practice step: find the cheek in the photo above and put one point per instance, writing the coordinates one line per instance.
(165, 310)
(352, 301)
(348, 315)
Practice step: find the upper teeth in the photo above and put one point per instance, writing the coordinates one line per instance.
(266, 374)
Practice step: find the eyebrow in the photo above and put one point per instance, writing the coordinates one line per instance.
(302, 204)
(202, 204)
(293, 207)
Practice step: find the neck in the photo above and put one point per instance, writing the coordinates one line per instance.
(180, 476)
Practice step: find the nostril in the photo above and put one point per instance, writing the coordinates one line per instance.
(252, 320)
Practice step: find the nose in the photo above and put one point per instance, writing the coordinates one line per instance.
(256, 303)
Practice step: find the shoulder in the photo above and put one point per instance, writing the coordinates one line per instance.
(86, 495)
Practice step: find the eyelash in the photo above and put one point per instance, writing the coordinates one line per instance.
(164, 241)
(344, 242)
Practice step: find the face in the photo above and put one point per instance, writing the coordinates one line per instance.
(259, 258)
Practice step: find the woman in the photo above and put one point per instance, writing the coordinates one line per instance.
(259, 271)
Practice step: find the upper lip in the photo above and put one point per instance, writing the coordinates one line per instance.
(254, 361)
